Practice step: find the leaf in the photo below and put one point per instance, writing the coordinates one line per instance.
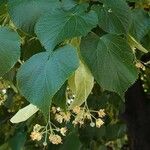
(30, 47)
(18, 140)
(115, 131)
(60, 25)
(114, 16)
(44, 73)
(88, 134)
(25, 13)
(3, 13)
(133, 43)
(5, 146)
(81, 83)
(24, 113)
(145, 41)
(71, 142)
(9, 49)
(59, 98)
(110, 60)
(102, 147)
(140, 25)
(68, 4)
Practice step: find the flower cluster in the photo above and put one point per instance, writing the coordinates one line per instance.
(48, 131)
(77, 116)
(83, 113)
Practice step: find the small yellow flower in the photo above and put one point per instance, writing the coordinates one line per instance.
(54, 110)
(81, 122)
(59, 118)
(99, 122)
(101, 113)
(36, 136)
(139, 65)
(66, 116)
(75, 122)
(63, 131)
(87, 115)
(55, 139)
(37, 128)
(76, 109)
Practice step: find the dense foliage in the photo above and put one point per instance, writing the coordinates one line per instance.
(65, 66)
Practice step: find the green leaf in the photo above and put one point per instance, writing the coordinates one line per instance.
(5, 146)
(88, 134)
(29, 47)
(3, 13)
(9, 49)
(17, 142)
(3, 1)
(145, 41)
(24, 113)
(102, 147)
(44, 73)
(140, 25)
(25, 13)
(71, 142)
(110, 60)
(81, 83)
(115, 131)
(60, 25)
(68, 4)
(59, 98)
(114, 16)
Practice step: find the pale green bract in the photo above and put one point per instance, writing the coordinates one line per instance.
(24, 114)
(81, 84)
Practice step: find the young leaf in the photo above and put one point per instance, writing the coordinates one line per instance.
(114, 16)
(60, 25)
(9, 49)
(24, 113)
(25, 13)
(44, 73)
(81, 83)
(111, 61)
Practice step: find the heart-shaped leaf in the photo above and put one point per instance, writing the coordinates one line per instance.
(140, 24)
(110, 59)
(44, 73)
(25, 13)
(60, 25)
(9, 49)
(114, 16)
